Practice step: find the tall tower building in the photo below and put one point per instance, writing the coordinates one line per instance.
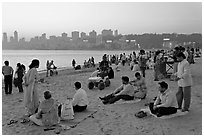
(83, 35)
(75, 35)
(92, 36)
(116, 33)
(107, 32)
(5, 38)
(15, 36)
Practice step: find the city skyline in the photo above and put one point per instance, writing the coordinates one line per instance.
(33, 19)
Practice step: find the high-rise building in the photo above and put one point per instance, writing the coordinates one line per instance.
(5, 39)
(43, 37)
(116, 32)
(83, 35)
(64, 35)
(11, 39)
(75, 35)
(107, 32)
(92, 36)
(15, 36)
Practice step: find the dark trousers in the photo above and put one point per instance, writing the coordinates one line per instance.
(8, 84)
(162, 110)
(79, 108)
(142, 69)
(112, 99)
(20, 87)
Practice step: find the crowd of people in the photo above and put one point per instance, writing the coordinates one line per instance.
(48, 112)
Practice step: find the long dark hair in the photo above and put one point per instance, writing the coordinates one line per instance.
(34, 63)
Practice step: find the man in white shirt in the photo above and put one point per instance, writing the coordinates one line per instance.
(165, 103)
(184, 82)
(125, 92)
(80, 99)
(184, 52)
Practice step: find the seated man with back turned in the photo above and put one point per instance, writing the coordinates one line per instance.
(80, 99)
(125, 92)
(165, 103)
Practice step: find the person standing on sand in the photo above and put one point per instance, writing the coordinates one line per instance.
(19, 76)
(31, 99)
(142, 62)
(7, 71)
(73, 63)
(184, 82)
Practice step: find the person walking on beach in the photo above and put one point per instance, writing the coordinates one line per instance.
(47, 66)
(7, 71)
(80, 99)
(142, 62)
(31, 99)
(73, 63)
(19, 77)
(184, 82)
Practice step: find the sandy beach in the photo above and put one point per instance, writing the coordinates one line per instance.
(115, 119)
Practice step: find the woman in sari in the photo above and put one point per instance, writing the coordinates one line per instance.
(157, 67)
(31, 99)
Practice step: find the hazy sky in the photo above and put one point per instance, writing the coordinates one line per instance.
(53, 18)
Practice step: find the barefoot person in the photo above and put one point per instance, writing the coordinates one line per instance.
(165, 103)
(184, 82)
(7, 71)
(19, 77)
(31, 99)
(125, 92)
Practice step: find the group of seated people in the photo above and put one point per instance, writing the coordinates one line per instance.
(99, 73)
(50, 111)
(129, 90)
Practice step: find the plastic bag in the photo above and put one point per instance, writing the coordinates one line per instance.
(67, 110)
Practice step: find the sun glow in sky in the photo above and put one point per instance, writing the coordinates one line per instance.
(53, 18)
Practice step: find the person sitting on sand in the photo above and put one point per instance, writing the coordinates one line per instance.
(125, 92)
(140, 85)
(95, 73)
(47, 114)
(110, 73)
(165, 103)
(80, 99)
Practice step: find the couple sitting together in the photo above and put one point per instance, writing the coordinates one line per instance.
(49, 111)
(129, 90)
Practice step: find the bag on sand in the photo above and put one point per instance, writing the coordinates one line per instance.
(67, 110)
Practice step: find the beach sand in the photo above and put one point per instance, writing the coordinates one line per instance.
(116, 119)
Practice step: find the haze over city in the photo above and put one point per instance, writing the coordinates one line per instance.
(54, 18)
